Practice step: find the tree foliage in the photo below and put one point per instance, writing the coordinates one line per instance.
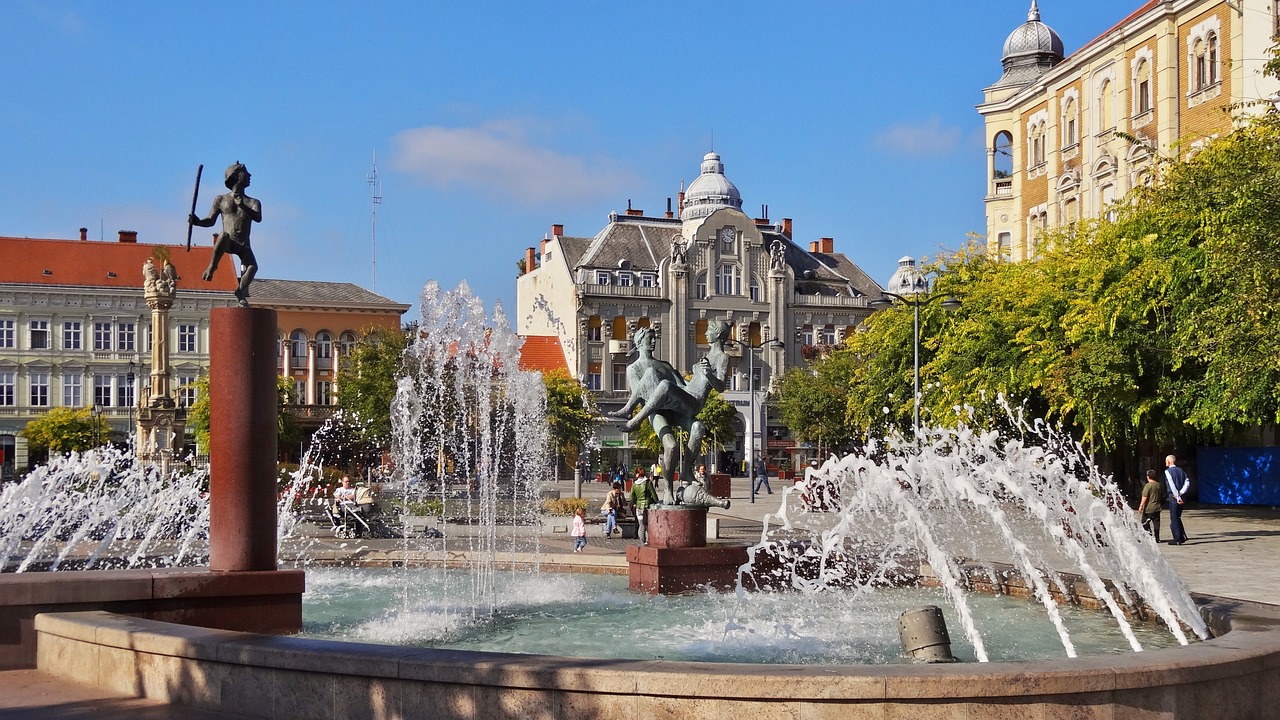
(1157, 323)
(367, 382)
(570, 413)
(65, 429)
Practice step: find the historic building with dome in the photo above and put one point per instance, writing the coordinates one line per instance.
(1069, 135)
(674, 271)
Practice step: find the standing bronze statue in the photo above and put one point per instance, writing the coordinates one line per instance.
(239, 212)
(668, 402)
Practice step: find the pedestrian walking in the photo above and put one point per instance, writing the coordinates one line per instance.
(762, 477)
(1151, 505)
(579, 530)
(1178, 484)
(643, 495)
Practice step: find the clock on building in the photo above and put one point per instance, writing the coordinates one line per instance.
(728, 235)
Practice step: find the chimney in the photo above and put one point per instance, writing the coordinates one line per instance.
(827, 245)
(128, 236)
(813, 246)
(786, 226)
(764, 216)
(557, 230)
(84, 234)
(530, 260)
(680, 200)
(669, 213)
(544, 245)
(632, 212)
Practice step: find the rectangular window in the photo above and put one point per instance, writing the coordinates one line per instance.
(126, 336)
(624, 279)
(619, 376)
(39, 384)
(647, 280)
(299, 392)
(7, 333)
(71, 335)
(186, 390)
(806, 336)
(754, 290)
(39, 334)
(102, 390)
(324, 394)
(602, 277)
(828, 335)
(593, 377)
(102, 336)
(1144, 96)
(7, 395)
(593, 333)
(124, 392)
(186, 338)
(72, 392)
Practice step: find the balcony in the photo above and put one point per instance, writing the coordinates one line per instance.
(841, 301)
(628, 291)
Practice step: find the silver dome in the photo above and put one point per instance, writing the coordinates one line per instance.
(1033, 37)
(907, 280)
(1030, 51)
(710, 191)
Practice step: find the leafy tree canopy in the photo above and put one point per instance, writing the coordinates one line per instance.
(66, 430)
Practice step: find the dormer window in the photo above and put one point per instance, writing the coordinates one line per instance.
(603, 277)
(648, 280)
(624, 279)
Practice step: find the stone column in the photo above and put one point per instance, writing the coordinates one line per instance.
(311, 372)
(242, 439)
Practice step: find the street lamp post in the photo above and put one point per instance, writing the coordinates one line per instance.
(132, 401)
(751, 391)
(916, 299)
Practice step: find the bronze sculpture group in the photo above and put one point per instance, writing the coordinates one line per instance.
(669, 402)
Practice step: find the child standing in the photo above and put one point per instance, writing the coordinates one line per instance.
(579, 530)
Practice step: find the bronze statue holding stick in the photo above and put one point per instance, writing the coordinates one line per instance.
(239, 212)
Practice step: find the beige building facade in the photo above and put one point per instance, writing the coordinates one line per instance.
(1070, 135)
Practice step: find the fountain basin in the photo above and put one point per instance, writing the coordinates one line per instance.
(1233, 675)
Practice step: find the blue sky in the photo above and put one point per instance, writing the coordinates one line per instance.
(493, 120)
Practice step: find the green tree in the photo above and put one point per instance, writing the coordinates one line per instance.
(367, 382)
(813, 402)
(66, 430)
(570, 413)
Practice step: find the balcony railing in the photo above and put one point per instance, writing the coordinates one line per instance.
(830, 301)
(621, 291)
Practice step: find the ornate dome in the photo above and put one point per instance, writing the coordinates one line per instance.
(1030, 50)
(907, 280)
(710, 191)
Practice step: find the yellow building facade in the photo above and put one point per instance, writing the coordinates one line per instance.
(1070, 135)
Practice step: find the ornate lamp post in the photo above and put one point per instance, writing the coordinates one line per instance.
(913, 290)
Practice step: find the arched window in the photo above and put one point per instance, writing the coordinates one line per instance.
(1142, 103)
(1211, 51)
(728, 280)
(347, 342)
(754, 289)
(1105, 120)
(324, 344)
(1070, 121)
(593, 328)
(700, 286)
(1003, 162)
(298, 345)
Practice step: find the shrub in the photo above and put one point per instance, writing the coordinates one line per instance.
(563, 506)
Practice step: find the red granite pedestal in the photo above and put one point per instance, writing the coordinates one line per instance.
(678, 559)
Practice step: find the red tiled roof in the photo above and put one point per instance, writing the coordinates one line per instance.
(1145, 7)
(94, 263)
(542, 353)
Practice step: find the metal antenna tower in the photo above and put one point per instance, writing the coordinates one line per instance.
(375, 188)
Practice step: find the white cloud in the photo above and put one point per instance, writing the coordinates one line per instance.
(498, 159)
(928, 138)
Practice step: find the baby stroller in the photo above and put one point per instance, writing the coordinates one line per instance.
(349, 518)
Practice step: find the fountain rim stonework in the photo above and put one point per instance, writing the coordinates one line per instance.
(1232, 675)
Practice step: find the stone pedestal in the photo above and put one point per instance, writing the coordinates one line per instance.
(720, 485)
(678, 559)
(242, 439)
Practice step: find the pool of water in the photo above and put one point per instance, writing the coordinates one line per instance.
(596, 616)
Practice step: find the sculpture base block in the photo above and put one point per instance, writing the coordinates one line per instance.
(672, 571)
(678, 527)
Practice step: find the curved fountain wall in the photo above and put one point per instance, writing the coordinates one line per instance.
(1235, 675)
